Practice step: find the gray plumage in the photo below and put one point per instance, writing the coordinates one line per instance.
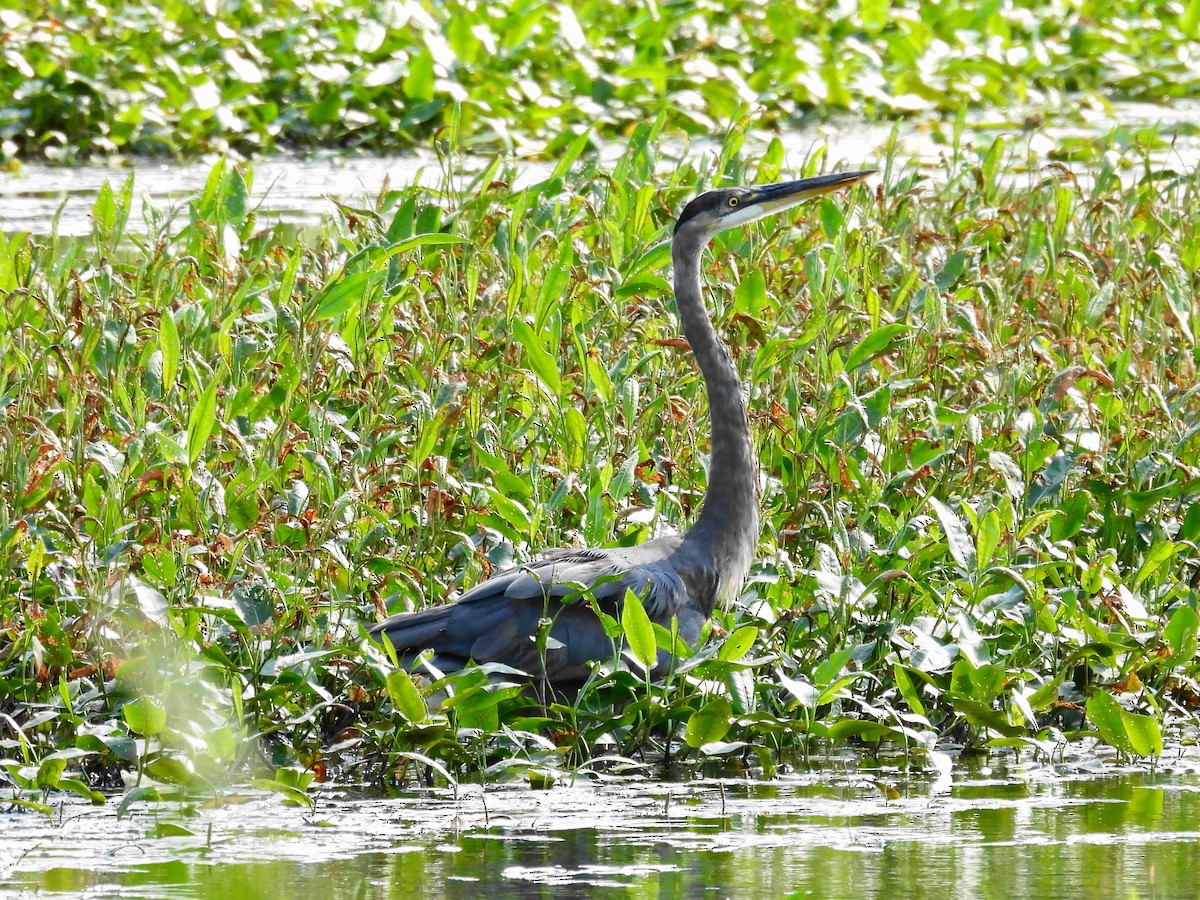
(681, 577)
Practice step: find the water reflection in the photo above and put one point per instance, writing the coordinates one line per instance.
(1023, 832)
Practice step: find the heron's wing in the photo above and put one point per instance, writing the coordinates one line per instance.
(574, 575)
(496, 621)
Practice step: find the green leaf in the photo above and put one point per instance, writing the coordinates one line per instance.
(990, 167)
(171, 770)
(428, 239)
(1145, 734)
(168, 343)
(983, 683)
(171, 829)
(860, 728)
(987, 538)
(1180, 633)
(831, 216)
(541, 362)
(221, 744)
(342, 295)
(1041, 699)
(738, 643)
(418, 83)
(567, 158)
(432, 763)
(962, 548)
(636, 625)
(104, 211)
(289, 793)
(1104, 712)
(1189, 19)
(137, 795)
(49, 773)
(750, 296)
(144, 716)
(119, 745)
(299, 779)
(837, 689)
(709, 724)
(477, 708)
(237, 197)
(201, 421)
(1156, 557)
(406, 697)
(908, 690)
(75, 786)
(1129, 732)
(880, 341)
(951, 271)
(984, 716)
(1050, 479)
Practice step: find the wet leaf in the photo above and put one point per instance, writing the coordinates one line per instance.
(290, 794)
(1129, 732)
(709, 724)
(137, 795)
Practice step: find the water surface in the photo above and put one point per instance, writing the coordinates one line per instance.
(301, 191)
(1087, 829)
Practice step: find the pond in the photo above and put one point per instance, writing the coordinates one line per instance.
(300, 191)
(1087, 828)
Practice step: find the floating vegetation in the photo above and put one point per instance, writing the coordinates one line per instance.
(175, 78)
(225, 455)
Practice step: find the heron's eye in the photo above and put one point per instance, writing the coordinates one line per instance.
(733, 201)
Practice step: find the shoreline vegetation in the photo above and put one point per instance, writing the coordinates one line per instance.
(184, 79)
(225, 456)
(224, 453)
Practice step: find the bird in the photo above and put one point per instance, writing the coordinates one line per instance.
(538, 618)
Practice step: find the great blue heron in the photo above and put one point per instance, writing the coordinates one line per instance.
(680, 577)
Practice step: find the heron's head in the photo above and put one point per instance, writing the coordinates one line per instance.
(715, 211)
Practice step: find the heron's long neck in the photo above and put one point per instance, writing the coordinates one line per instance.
(728, 521)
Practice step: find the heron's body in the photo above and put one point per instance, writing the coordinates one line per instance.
(681, 577)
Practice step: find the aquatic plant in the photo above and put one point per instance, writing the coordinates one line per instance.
(224, 453)
(116, 77)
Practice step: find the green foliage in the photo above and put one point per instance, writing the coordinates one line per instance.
(224, 454)
(182, 79)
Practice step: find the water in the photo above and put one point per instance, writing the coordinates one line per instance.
(1086, 829)
(300, 192)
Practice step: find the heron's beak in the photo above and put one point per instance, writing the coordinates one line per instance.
(775, 197)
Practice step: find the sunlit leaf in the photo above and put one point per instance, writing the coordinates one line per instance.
(407, 698)
(49, 773)
(201, 421)
(738, 643)
(962, 548)
(144, 716)
(1180, 632)
(880, 341)
(541, 361)
(709, 724)
(636, 626)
